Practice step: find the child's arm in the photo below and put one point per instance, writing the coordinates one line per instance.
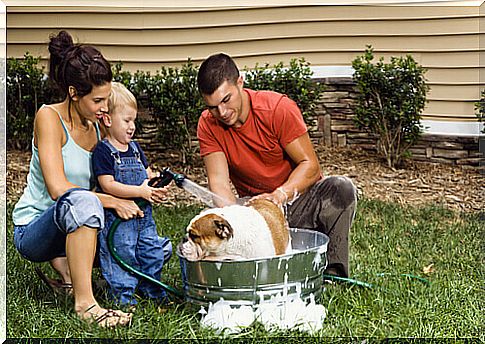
(110, 186)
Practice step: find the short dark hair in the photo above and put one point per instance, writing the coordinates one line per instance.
(78, 65)
(214, 71)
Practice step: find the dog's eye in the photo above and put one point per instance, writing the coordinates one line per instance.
(193, 236)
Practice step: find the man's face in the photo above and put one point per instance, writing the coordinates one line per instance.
(226, 103)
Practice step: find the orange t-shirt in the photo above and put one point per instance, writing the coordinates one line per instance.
(255, 151)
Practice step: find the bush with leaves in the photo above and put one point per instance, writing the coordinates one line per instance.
(27, 89)
(170, 94)
(173, 99)
(480, 110)
(392, 97)
(295, 81)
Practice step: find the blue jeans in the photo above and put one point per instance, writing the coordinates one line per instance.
(44, 238)
(138, 244)
(136, 241)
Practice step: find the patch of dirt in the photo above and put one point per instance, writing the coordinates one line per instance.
(456, 187)
(417, 183)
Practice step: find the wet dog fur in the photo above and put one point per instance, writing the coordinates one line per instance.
(258, 229)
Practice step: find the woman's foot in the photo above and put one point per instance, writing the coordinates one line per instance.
(56, 285)
(107, 318)
(61, 266)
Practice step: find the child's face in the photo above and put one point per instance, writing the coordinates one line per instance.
(123, 125)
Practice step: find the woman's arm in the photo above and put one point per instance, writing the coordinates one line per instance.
(49, 137)
(125, 208)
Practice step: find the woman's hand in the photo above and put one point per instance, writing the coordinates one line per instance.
(126, 209)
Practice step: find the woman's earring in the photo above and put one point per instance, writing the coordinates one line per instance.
(72, 92)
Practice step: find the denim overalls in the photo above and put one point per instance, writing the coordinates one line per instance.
(136, 240)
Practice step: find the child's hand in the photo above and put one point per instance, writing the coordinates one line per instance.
(153, 195)
(152, 174)
(146, 191)
(159, 194)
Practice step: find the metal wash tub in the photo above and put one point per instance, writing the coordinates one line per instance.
(253, 281)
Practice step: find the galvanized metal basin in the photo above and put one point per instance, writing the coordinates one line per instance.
(253, 281)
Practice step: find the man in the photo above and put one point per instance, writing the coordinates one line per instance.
(258, 140)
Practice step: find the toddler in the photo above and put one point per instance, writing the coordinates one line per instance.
(121, 169)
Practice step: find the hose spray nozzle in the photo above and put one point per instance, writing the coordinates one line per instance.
(166, 176)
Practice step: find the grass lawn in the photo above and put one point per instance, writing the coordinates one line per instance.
(387, 241)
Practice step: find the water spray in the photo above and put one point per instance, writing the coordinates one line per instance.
(165, 177)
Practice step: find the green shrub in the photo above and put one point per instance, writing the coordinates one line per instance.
(172, 98)
(294, 81)
(392, 97)
(27, 90)
(170, 95)
(480, 110)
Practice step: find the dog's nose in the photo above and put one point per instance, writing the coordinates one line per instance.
(185, 239)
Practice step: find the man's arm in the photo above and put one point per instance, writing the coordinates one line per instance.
(218, 176)
(306, 173)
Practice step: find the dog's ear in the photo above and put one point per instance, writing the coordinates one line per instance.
(223, 229)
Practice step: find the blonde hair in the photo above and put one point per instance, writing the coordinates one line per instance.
(120, 97)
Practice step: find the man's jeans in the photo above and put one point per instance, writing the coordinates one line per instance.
(328, 207)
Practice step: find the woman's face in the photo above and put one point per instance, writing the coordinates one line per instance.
(94, 104)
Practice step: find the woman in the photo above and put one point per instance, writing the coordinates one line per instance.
(57, 217)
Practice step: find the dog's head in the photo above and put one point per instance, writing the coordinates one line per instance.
(206, 234)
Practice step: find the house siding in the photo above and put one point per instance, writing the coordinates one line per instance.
(444, 39)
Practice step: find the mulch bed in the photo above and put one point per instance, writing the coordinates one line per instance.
(417, 183)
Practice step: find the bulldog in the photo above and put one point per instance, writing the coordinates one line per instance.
(258, 229)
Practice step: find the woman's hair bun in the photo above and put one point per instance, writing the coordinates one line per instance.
(79, 65)
(60, 44)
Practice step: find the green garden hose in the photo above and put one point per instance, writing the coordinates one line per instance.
(369, 285)
(112, 249)
(164, 179)
(347, 280)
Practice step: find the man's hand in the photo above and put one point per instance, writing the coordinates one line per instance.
(278, 197)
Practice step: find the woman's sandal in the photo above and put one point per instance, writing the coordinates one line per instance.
(103, 320)
(55, 285)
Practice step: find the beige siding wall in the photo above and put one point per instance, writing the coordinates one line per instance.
(444, 39)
